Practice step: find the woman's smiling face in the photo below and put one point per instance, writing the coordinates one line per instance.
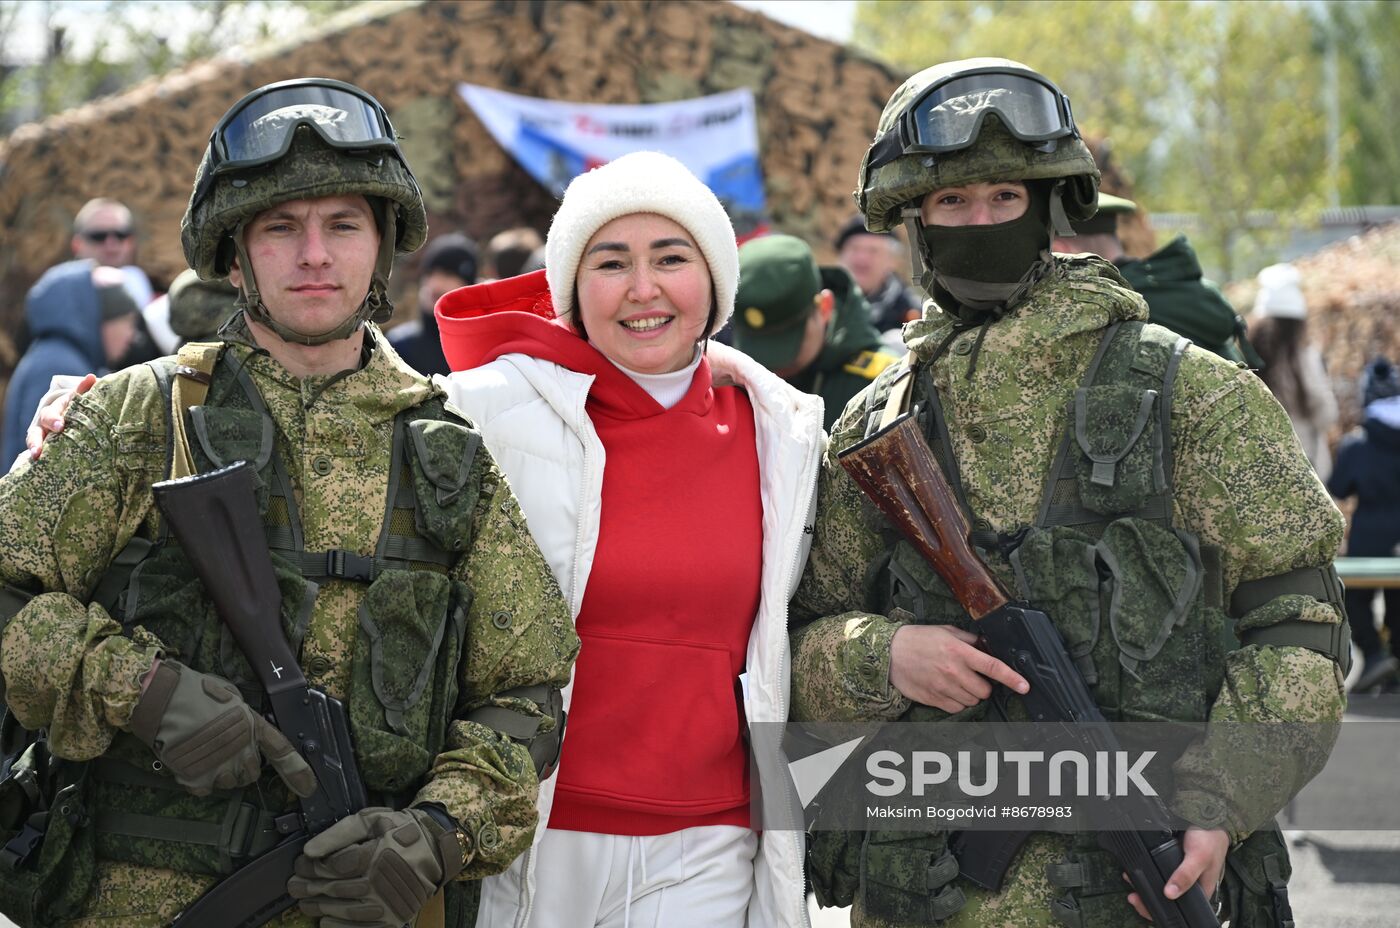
(644, 293)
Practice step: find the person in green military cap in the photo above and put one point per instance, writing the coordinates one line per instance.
(1178, 294)
(199, 307)
(1098, 235)
(810, 325)
(1145, 494)
(140, 768)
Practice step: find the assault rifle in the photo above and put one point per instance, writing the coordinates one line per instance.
(215, 518)
(896, 469)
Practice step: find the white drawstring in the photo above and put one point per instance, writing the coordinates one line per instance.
(634, 844)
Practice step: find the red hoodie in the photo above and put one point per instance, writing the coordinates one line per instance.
(654, 739)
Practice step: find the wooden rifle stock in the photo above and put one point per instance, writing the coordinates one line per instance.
(896, 470)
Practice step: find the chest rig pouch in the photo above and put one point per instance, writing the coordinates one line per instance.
(1138, 601)
(407, 646)
(47, 855)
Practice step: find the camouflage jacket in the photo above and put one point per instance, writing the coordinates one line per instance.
(68, 667)
(1242, 484)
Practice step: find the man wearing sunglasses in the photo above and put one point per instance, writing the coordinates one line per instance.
(140, 769)
(1146, 495)
(103, 232)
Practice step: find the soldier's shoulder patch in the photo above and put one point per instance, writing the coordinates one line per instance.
(869, 364)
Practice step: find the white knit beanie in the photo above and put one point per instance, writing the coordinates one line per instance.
(641, 182)
(1280, 296)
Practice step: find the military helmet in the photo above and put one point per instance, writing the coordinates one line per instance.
(198, 306)
(973, 121)
(294, 140)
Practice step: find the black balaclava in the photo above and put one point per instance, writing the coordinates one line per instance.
(981, 271)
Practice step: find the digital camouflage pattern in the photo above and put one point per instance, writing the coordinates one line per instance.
(998, 155)
(198, 307)
(1242, 485)
(68, 668)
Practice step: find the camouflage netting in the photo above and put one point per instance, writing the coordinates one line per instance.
(818, 104)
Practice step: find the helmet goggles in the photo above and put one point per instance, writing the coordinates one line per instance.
(259, 128)
(948, 116)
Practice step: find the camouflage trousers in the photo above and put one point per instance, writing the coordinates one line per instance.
(1024, 901)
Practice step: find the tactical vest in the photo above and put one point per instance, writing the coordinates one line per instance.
(1138, 601)
(403, 681)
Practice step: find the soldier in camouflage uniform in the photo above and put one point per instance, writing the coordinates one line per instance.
(1179, 484)
(198, 307)
(810, 325)
(411, 588)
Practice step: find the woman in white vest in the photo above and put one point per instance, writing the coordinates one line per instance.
(669, 481)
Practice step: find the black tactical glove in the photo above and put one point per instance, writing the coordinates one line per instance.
(377, 867)
(208, 737)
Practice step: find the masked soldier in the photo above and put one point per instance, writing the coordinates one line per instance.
(139, 768)
(1147, 495)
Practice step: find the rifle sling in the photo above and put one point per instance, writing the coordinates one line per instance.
(194, 371)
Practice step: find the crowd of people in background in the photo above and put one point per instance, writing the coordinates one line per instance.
(828, 330)
(625, 436)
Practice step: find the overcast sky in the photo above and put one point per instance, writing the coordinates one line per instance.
(830, 19)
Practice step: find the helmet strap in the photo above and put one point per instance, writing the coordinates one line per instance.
(378, 307)
(1059, 220)
(922, 264)
(375, 305)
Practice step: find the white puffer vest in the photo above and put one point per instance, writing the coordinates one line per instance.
(531, 415)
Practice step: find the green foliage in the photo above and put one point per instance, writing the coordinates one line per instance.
(1366, 36)
(1215, 108)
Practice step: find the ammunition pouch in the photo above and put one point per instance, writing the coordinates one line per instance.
(1095, 895)
(146, 819)
(47, 857)
(907, 877)
(403, 671)
(1254, 886)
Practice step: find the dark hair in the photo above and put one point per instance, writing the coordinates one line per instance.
(510, 252)
(1279, 342)
(1379, 381)
(853, 226)
(453, 253)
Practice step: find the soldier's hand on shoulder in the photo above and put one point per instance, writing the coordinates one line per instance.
(48, 418)
(208, 737)
(941, 666)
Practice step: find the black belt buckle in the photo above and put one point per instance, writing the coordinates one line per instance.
(347, 565)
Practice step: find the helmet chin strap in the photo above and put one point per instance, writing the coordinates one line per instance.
(923, 268)
(376, 306)
(1060, 225)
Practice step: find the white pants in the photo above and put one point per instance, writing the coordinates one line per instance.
(695, 878)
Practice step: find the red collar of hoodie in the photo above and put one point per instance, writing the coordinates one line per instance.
(483, 322)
